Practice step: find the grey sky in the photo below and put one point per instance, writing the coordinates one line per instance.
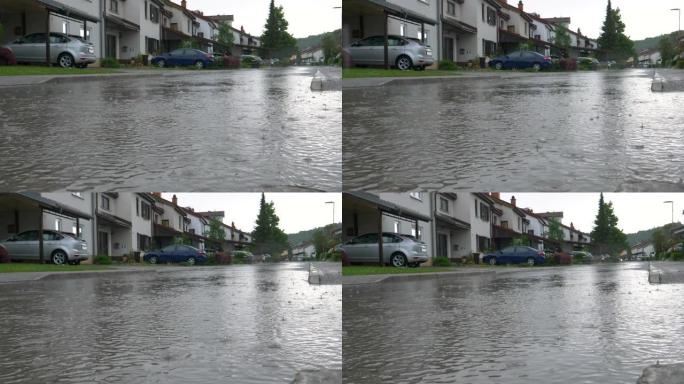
(642, 18)
(635, 211)
(306, 17)
(297, 211)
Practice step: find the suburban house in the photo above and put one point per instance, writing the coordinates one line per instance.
(468, 29)
(304, 251)
(515, 26)
(179, 25)
(207, 32)
(650, 57)
(124, 223)
(643, 249)
(537, 229)
(313, 55)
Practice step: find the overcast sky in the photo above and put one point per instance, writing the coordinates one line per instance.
(642, 18)
(297, 211)
(306, 17)
(635, 211)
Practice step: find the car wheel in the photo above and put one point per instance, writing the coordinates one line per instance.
(492, 261)
(191, 260)
(404, 63)
(65, 60)
(398, 260)
(199, 64)
(161, 63)
(536, 67)
(153, 260)
(59, 257)
(530, 261)
(499, 66)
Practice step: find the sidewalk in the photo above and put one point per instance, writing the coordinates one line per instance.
(13, 81)
(668, 80)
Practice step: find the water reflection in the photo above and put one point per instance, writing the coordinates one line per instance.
(589, 324)
(251, 324)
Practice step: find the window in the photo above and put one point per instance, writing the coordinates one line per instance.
(475, 208)
(165, 222)
(58, 224)
(483, 12)
(104, 203)
(78, 231)
(483, 243)
(145, 9)
(143, 242)
(154, 14)
(64, 28)
(491, 16)
(451, 8)
(530, 232)
(417, 195)
(114, 6)
(137, 206)
(151, 45)
(504, 224)
(145, 210)
(192, 230)
(402, 29)
(414, 234)
(397, 227)
(423, 36)
(174, 26)
(484, 212)
(443, 205)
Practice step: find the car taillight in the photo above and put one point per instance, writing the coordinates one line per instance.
(541, 253)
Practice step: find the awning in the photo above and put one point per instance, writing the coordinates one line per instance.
(57, 7)
(111, 219)
(389, 207)
(459, 26)
(52, 205)
(125, 24)
(458, 224)
(392, 9)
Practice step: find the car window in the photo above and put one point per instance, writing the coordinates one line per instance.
(376, 41)
(28, 236)
(177, 52)
(394, 42)
(169, 248)
(391, 239)
(57, 39)
(508, 250)
(36, 38)
(367, 239)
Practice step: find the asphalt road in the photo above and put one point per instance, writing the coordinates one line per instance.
(245, 130)
(576, 132)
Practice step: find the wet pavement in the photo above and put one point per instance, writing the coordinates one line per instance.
(243, 130)
(586, 324)
(582, 131)
(240, 324)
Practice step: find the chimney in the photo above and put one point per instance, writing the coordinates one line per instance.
(174, 200)
(513, 201)
(242, 29)
(572, 226)
(184, 4)
(496, 195)
(520, 6)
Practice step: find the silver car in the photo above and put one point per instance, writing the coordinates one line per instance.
(59, 248)
(65, 51)
(398, 250)
(404, 53)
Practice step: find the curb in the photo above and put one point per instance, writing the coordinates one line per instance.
(376, 279)
(318, 81)
(84, 274)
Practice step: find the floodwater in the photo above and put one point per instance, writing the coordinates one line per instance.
(241, 324)
(583, 131)
(246, 130)
(588, 324)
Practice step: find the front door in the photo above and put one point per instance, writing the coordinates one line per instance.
(442, 245)
(110, 46)
(448, 49)
(103, 243)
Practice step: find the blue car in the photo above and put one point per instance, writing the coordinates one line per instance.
(176, 254)
(521, 60)
(515, 255)
(184, 57)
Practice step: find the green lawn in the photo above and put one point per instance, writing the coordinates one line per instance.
(27, 267)
(357, 270)
(33, 70)
(355, 73)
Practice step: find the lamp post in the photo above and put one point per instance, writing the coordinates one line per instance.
(672, 204)
(680, 18)
(333, 205)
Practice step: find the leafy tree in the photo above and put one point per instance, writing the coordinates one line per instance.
(276, 41)
(613, 42)
(215, 233)
(183, 239)
(225, 36)
(331, 44)
(661, 241)
(321, 241)
(606, 235)
(555, 231)
(267, 236)
(667, 50)
(562, 37)
(189, 43)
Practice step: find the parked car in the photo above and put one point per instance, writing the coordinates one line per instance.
(184, 57)
(521, 60)
(243, 257)
(515, 255)
(404, 53)
(58, 247)
(176, 254)
(581, 257)
(7, 56)
(254, 61)
(397, 250)
(65, 51)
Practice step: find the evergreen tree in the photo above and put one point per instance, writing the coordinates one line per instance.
(267, 236)
(613, 42)
(606, 236)
(276, 42)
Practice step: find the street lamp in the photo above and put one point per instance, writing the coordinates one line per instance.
(680, 17)
(333, 204)
(672, 204)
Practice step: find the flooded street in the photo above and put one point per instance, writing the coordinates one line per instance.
(240, 130)
(582, 131)
(587, 324)
(240, 324)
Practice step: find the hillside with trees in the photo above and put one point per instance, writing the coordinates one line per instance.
(308, 235)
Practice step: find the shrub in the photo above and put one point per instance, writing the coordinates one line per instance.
(447, 65)
(109, 62)
(568, 64)
(441, 262)
(102, 260)
(231, 62)
(4, 256)
(680, 64)
(223, 258)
